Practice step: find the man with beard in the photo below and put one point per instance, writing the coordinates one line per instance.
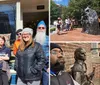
(80, 68)
(58, 75)
(43, 39)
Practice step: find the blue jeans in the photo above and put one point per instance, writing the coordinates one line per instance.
(67, 27)
(45, 78)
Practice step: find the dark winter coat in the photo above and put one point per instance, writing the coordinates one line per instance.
(30, 62)
(63, 79)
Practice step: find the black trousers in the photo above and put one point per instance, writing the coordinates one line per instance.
(3, 78)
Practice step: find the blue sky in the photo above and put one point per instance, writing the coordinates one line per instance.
(62, 2)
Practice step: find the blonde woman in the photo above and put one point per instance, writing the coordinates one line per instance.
(30, 60)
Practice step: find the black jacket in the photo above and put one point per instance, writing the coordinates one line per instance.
(30, 62)
(63, 79)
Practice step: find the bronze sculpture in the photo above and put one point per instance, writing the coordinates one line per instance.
(80, 68)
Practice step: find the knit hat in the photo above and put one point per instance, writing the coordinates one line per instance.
(29, 30)
(41, 23)
(19, 30)
(54, 45)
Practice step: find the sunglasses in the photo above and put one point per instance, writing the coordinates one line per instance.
(41, 28)
(54, 52)
(19, 34)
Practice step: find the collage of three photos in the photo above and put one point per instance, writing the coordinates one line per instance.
(49, 42)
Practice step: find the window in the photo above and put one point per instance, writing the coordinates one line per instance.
(7, 19)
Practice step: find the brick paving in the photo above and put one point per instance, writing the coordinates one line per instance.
(75, 35)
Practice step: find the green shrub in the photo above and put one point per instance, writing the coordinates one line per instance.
(52, 29)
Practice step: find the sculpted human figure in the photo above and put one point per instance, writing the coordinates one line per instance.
(90, 24)
(80, 68)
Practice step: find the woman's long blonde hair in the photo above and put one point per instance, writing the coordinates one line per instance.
(24, 44)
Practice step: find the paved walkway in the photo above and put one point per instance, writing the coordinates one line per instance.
(75, 35)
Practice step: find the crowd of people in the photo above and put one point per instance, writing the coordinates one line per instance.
(31, 57)
(67, 25)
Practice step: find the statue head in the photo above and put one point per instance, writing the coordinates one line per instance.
(80, 54)
(87, 10)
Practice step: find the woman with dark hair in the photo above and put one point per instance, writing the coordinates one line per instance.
(5, 53)
(59, 23)
(30, 60)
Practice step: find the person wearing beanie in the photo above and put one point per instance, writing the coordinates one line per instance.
(17, 41)
(28, 30)
(41, 36)
(30, 60)
(57, 74)
(43, 39)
